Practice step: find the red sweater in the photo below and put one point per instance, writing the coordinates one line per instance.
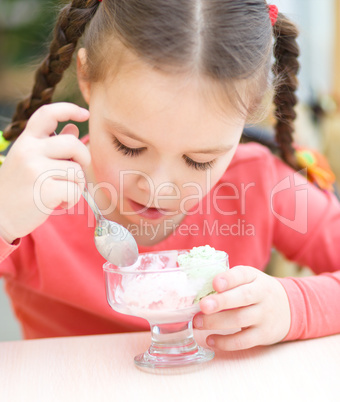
(55, 280)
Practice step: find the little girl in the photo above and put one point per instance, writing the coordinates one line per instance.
(170, 85)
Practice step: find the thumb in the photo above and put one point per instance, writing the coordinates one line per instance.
(70, 129)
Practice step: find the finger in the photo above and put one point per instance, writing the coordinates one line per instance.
(228, 319)
(67, 146)
(45, 120)
(54, 193)
(245, 339)
(70, 129)
(65, 170)
(244, 295)
(70, 193)
(234, 277)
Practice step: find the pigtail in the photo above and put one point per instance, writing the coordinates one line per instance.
(69, 27)
(286, 66)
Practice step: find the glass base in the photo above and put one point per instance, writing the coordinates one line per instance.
(146, 360)
(173, 345)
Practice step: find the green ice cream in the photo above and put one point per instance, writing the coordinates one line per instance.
(203, 263)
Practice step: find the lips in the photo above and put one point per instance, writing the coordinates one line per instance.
(149, 213)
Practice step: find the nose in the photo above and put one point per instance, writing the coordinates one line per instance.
(166, 188)
(157, 184)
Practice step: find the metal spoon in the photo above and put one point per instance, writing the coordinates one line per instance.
(114, 242)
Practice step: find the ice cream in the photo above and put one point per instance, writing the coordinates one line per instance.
(168, 284)
(203, 262)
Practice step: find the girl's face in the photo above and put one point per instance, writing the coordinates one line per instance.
(158, 144)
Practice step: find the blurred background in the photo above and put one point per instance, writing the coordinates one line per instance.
(25, 29)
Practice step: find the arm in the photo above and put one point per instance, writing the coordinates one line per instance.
(7, 267)
(6, 248)
(305, 229)
(314, 305)
(314, 301)
(35, 173)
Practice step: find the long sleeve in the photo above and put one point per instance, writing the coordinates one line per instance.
(5, 250)
(311, 238)
(260, 202)
(315, 305)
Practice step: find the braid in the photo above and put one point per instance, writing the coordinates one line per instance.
(286, 52)
(69, 28)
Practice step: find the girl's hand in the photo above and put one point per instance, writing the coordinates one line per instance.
(248, 299)
(42, 172)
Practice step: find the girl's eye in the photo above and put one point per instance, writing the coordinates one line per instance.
(198, 165)
(137, 151)
(126, 150)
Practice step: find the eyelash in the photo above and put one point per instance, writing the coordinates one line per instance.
(198, 165)
(126, 150)
(137, 151)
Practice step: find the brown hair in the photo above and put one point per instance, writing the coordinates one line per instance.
(286, 52)
(228, 41)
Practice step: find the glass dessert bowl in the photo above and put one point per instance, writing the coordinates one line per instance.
(165, 289)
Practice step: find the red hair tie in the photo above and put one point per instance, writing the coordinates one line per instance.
(273, 12)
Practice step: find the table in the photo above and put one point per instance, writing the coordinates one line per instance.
(100, 368)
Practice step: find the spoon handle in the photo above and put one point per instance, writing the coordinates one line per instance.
(92, 203)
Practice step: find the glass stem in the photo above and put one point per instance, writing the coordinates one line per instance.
(174, 339)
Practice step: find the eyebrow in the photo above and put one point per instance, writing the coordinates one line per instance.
(125, 131)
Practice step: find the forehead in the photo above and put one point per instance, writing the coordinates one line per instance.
(142, 95)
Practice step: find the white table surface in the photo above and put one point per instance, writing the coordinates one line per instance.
(100, 368)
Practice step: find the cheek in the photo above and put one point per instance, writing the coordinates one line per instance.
(193, 192)
(106, 171)
(114, 173)
(195, 189)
